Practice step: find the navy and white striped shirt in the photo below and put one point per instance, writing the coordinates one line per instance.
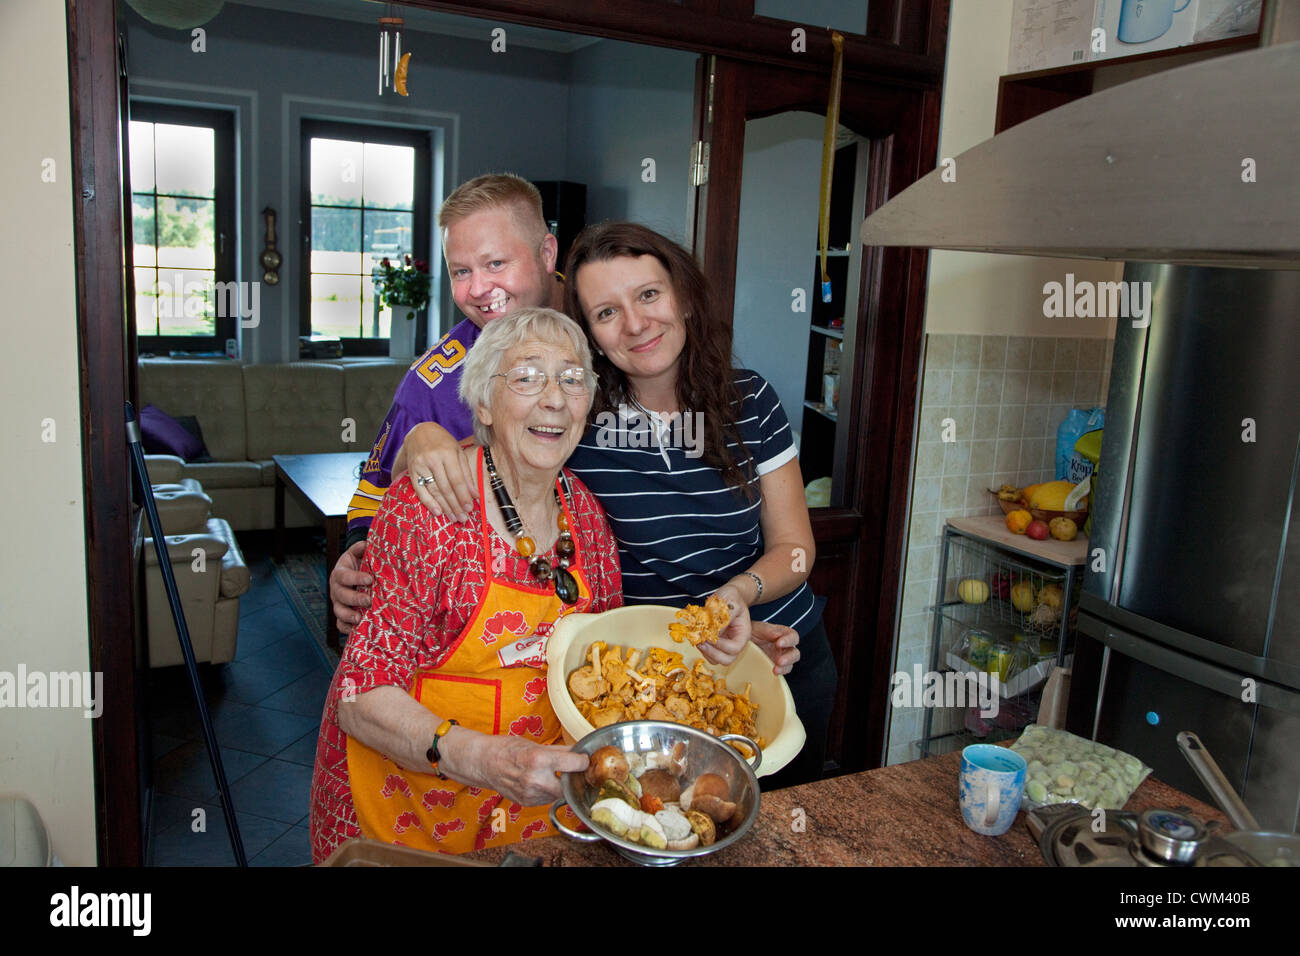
(682, 531)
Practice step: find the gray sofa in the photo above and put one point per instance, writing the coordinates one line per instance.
(250, 412)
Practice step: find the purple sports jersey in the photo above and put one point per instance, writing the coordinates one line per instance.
(427, 393)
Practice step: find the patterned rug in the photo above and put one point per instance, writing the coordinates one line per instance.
(302, 579)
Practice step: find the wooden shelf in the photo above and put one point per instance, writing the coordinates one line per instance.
(993, 528)
(1022, 96)
(821, 409)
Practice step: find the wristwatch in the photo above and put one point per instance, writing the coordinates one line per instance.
(432, 754)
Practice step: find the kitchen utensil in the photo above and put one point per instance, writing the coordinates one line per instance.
(1071, 835)
(990, 787)
(1268, 848)
(1171, 836)
(645, 626)
(704, 754)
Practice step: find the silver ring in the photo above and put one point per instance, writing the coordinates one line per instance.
(425, 480)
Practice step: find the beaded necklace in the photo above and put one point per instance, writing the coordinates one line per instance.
(566, 588)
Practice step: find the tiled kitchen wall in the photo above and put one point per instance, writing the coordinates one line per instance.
(1006, 396)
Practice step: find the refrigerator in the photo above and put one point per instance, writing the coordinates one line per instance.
(1190, 613)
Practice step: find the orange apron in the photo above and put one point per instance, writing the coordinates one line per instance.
(494, 681)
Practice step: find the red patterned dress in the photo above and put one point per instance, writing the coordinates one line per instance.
(430, 582)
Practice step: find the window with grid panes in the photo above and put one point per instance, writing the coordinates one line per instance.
(182, 162)
(365, 197)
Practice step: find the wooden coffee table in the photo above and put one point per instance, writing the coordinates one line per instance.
(323, 485)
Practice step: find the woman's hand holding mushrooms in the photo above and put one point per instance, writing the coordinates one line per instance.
(518, 769)
(777, 642)
(733, 638)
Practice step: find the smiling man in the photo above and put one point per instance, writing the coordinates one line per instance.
(500, 258)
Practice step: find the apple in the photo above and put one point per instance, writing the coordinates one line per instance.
(1037, 530)
(1001, 584)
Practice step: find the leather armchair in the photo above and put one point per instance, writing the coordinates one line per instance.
(210, 575)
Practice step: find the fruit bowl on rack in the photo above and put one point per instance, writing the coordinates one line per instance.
(1011, 499)
(1078, 517)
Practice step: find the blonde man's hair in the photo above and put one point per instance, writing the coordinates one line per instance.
(492, 191)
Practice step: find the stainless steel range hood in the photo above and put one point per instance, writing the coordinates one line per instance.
(1154, 170)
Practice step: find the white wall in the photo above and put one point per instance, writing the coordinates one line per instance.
(973, 292)
(629, 103)
(776, 250)
(45, 755)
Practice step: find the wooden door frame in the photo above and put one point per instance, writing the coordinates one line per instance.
(106, 381)
(865, 539)
(903, 51)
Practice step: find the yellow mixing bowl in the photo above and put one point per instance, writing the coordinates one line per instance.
(645, 626)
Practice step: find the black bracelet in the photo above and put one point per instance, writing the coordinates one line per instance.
(758, 581)
(432, 755)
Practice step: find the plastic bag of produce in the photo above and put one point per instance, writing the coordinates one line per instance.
(1065, 768)
(1070, 465)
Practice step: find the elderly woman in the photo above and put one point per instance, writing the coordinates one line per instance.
(437, 731)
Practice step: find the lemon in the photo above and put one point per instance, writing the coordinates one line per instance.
(973, 591)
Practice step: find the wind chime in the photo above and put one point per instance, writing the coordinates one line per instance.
(391, 55)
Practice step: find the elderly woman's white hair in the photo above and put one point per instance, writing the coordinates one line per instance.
(503, 334)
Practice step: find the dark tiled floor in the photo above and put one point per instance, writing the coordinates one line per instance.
(265, 708)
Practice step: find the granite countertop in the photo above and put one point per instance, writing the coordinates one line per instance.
(904, 815)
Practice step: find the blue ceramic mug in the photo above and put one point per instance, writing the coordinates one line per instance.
(1144, 20)
(991, 785)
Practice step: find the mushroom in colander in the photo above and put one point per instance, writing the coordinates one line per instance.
(709, 795)
(629, 823)
(678, 830)
(607, 763)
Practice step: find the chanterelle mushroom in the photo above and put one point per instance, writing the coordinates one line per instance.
(610, 715)
(615, 672)
(584, 684)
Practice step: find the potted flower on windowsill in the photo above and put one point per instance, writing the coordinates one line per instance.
(404, 289)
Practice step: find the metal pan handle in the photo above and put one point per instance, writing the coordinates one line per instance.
(758, 754)
(571, 834)
(1207, 768)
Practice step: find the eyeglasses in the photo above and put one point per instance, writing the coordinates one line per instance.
(527, 380)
